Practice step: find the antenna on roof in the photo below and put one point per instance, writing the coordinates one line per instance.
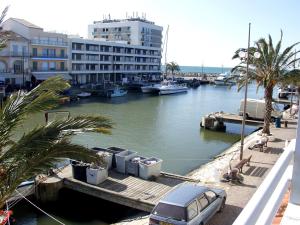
(109, 16)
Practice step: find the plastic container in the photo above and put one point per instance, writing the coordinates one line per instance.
(79, 170)
(121, 159)
(149, 168)
(107, 157)
(96, 175)
(132, 165)
(113, 151)
(278, 122)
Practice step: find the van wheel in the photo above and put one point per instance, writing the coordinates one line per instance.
(222, 205)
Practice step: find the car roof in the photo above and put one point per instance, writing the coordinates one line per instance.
(183, 194)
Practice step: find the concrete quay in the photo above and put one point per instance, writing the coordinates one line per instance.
(238, 194)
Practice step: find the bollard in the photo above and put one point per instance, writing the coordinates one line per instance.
(285, 123)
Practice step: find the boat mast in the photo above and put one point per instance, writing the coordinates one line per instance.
(166, 48)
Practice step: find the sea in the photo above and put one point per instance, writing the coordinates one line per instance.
(200, 69)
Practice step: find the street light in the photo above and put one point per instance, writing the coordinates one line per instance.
(244, 54)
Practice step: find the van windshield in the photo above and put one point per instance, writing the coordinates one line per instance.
(170, 211)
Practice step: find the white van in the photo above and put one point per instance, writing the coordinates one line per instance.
(256, 109)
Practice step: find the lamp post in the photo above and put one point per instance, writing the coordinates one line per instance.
(245, 96)
(245, 54)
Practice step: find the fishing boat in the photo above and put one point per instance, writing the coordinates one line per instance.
(84, 95)
(153, 88)
(172, 88)
(116, 92)
(5, 216)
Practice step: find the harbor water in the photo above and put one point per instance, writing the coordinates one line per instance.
(162, 126)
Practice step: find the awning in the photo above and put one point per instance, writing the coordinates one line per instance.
(46, 76)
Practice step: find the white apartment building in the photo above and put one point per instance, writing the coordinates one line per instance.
(134, 31)
(32, 52)
(14, 59)
(95, 61)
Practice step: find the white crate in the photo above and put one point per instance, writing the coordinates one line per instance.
(121, 159)
(149, 170)
(107, 157)
(96, 176)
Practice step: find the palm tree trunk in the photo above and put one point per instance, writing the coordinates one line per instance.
(268, 109)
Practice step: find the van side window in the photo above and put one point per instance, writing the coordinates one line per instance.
(192, 210)
(203, 202)
(211, 196)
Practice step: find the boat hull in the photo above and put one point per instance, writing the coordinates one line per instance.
(150, 89)
(172, 91)
(116, 93)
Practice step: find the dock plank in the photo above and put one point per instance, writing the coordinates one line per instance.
(127, 190)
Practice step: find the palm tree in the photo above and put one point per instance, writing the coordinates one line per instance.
(275, 66)
(172, 66)
(37, 150)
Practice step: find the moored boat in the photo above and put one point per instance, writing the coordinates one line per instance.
(84, 95)
(172, 88)
(116, 92)
(224, 79)
(153, 88)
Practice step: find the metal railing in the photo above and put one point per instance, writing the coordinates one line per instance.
(47, 42)
(49, 70)
(262, 207)
(49, 56)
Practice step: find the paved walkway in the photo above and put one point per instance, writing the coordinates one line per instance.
(237, 194)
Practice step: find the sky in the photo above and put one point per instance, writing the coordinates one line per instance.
(201, 32)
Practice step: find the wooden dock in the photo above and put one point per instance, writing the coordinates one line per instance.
(123, 189)
(210, 121)
(234, 118)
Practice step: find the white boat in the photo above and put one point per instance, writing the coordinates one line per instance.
(84, 95)
(116, 92)
(222, 79)
(172, 88)
(153, 88)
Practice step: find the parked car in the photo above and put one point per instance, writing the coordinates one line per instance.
(188, 204)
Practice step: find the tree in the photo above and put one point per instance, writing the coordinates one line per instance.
(275, 66)
(37, 150)
(172, 66)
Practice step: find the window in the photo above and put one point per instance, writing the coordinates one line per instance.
(62, 52)
(52, 65)
(62, 66)
(24, 50)
(192, 210)
(51, 52)
(203, 202)
(44, 66)
(170, 211)
(34, 66)
(34, 51)
(45, 52)
(15, 49)
(211, 196)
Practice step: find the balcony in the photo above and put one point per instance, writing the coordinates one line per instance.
(6, 53)
(50, 57)
(49, 70)
(49, 43)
